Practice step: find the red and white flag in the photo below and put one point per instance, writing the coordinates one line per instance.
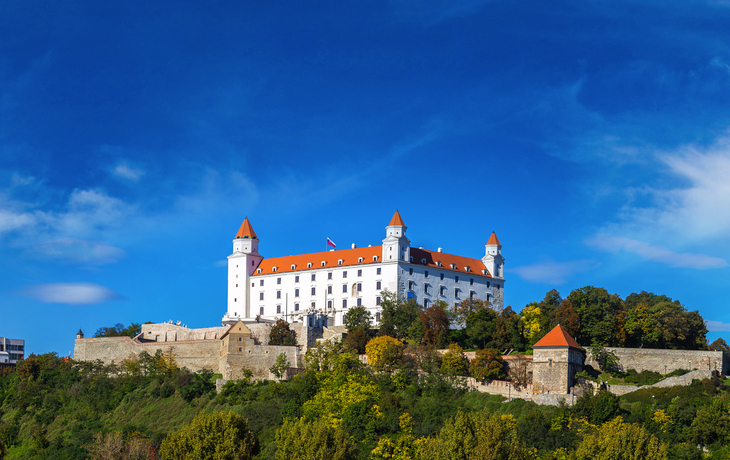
(331, 243)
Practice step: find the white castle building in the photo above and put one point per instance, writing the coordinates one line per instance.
(319, 288)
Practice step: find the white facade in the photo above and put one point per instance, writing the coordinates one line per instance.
(11, 350)
(319, 288)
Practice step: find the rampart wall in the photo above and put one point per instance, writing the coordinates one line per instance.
(666, 361)
(168, 332)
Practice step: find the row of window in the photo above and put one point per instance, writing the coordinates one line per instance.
(12, 347)
(356, 287)
(358, 302)
(314, 275)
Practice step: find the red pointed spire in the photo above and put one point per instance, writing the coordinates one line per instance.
(493, 239)
(396, 220)
(246, 230)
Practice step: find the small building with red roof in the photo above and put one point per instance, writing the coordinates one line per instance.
(556, 359)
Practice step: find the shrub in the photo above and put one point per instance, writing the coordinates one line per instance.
(281, 334)
(384, 351)
(488, 365)
(454, 361)
(221, 436)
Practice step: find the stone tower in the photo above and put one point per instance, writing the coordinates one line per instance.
(555, 361)
(241, 265)
(396, 247)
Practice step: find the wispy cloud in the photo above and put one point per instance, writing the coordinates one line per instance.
(655, 253)
(124, 171)
(553, 272)
(717, 326)
(82, 251)
(71, 293)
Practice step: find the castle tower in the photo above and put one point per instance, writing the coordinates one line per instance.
(396, 247)
(555, 361)
(493, 259)
(241, 265)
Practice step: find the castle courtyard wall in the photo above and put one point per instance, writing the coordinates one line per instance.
(653, 359)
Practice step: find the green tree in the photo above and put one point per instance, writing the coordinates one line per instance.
(509, 331)
(384, 352)
(488, 365)
(602, 316)
(720, 345)
(606, 359)
(566, 316)
(313, 440)
(481, 328)
(281, 334)
(400, 318)
(435, 321)
(711, 425)
(201, 383)
(454, 361)
(617, 440)
(220, 436)
(357, 318)
(476, 436)
(280, 366)
(402, 446)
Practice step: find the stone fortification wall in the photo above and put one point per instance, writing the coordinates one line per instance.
(169, 332)
(681, 380)
(306, 336)
(193, 354)
(652, 359)
(498, 387)
(258, 358)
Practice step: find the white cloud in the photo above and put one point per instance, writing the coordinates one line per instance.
(222, 263)
(656, 253)
(553, 272)
(125, 171)
(717, 326)
(84, 251)
(71, 293)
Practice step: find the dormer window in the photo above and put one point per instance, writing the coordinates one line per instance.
(375, 258)
(340, 262)
(423, 261)
(484, 272)
(466, 268)
(453, 266)
(293, 266)
(274, 269)
(324, 263)
(258, 271)
(360, 260)
(438, 263)
(309, 265)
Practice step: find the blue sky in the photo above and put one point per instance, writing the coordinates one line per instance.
(593, 137)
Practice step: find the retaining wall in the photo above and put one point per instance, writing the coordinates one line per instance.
(666, 361)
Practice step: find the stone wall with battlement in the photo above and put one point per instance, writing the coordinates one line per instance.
(666, 361)
(169, 332)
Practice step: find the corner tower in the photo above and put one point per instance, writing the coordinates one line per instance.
(241, 265)
(493, 260)
(396, 247)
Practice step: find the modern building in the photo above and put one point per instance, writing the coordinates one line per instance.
(11, 350)
(319, 288)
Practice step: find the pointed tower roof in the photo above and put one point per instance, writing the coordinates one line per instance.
(493, 239)
(557, 337)
(396, 220)
(246, 230)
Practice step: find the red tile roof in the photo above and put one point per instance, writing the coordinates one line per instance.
(351, 257)
(396, 220)
(246, 231)
(493, 239)
(557, 337)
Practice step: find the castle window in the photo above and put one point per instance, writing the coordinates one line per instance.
(296, 307)
(426, 274)
(296, 292)
(329, 289)
(359, 302)
(236, 285)
(329, 304)
(249, 352)
(296, 279)
(438, 263)
(442, 290)
(261, 282)
(274, 269)
(235, 299)
(375, 258)
(471, 294)
(258, 271)
(411, 259)
(550, 362)
(496, 286)
(423, 261)
(261, 311)
(344, 288)
(329, 275)
(453, 266)
(378, 285)
(239, 339)
(378, 300)
(426, 303)
(324, 263)
(314, 305)
(344, 274)
(359, 273)
(410, 271)
(293, 266)
(278, 294)
(377, 316)
(339, 262)
(314, 277)
(344, 303)
(278, 280)
(442, 276)
(456, 293)
(314, 290)
(239, 348)
(410, 285)
(309, 265)
(425, 288)
(360, 260)
(471, 281)
(359, 287)
(261, 296)
(278, 309)
(456, 278)
(378, 270)
(489, 284)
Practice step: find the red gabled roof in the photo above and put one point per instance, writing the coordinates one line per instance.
(558, 337)
(246, 230)
(331, 259)
(493, 239)
(396, 220)
(460, 263)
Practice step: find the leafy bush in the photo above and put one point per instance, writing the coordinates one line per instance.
(384, 351)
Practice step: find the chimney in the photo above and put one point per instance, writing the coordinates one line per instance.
(354, 245)
(440, 249)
